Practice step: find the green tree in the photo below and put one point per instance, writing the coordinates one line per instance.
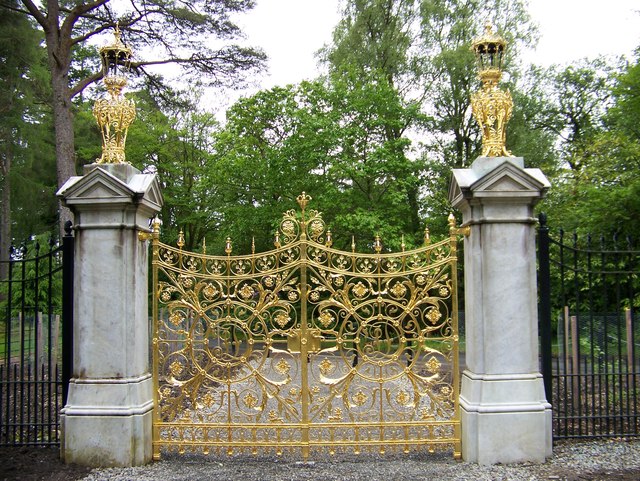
(24, 125)
(177, 144)
(160, 31)
(597, 188)
(329, 139)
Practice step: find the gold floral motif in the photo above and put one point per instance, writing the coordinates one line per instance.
(341, 263)
(273, 417)
(216, 267)
(359, 398)
(433, 365)
(421, 279)
(325, 319)
(242, 266)
(250, 401)
(360, 290)
(283, 367)
(176, 368)
(269, 281)
(208, 400)
(398, 290)
(294, 391)
(337, 415)
(282, 319)
(326, 367)
(186, 281)
(316, 227)
(176, 318)
(210, 291)
(338, 281)
(403, 398)
(444, 291)
(446, 391)
(426, 415)
(246, 292)
(314, 296)
(434, 315)
(165, 296)
(288, 227)
(366, 266)
(292, 296)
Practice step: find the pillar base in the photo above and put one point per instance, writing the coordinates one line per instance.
(505, 419)
(108, 422)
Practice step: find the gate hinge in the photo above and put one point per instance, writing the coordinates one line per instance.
(144, 236)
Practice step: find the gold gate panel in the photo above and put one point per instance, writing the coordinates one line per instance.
(305, 346)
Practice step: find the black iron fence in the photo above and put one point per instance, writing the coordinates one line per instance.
(36, 306)
(589, 300)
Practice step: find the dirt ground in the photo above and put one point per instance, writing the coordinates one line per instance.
(31, 464)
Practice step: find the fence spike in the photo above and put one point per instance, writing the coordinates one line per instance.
(377, 245)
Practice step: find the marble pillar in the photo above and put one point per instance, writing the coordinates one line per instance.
(504, 414)
(107, 420)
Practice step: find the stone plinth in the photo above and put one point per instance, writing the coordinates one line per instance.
(504, 414)
(107, 419)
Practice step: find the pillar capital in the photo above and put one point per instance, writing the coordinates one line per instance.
(496, 180)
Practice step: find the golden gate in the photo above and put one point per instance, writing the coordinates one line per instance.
(306, 347)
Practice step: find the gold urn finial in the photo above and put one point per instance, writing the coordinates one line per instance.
(491, 106)
(114, 114)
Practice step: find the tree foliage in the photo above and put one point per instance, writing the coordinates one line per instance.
(329, 139)
(27, 203)
(161, 32)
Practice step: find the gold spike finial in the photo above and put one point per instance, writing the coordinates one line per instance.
(180, 242)
(303, 199)
(329, 240)
(156, 223)
(377, 245)
(228, 247)
(452, 221)
(427, 236)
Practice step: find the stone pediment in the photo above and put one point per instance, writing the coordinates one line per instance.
(506, 179)
(99, 186)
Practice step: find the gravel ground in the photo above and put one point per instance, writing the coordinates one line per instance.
(601, 460)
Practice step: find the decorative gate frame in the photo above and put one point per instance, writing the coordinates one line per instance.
(305, 346)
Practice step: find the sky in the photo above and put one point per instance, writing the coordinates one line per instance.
(291, 31)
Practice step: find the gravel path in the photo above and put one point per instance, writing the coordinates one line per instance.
(601, 460)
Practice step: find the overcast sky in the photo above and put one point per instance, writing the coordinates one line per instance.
(290, 31)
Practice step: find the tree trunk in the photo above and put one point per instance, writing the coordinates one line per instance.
(59, 62)
(5, 213)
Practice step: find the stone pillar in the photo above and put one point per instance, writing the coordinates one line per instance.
(107, 418)
(504, 414)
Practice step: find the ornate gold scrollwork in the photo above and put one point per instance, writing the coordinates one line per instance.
(306, 346)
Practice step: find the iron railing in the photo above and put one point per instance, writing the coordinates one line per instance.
(589, 295)
(36, 305)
